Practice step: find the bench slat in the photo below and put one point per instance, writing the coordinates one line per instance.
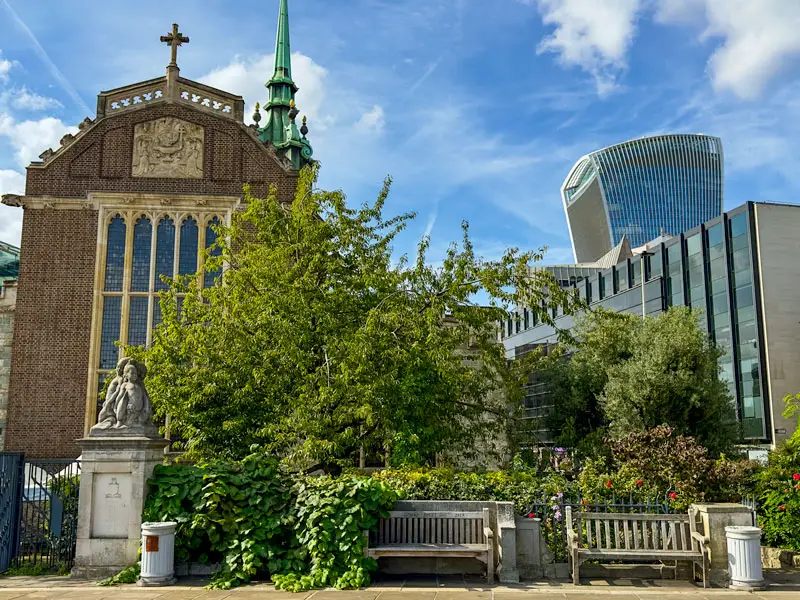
(636, 555)
(664, 537)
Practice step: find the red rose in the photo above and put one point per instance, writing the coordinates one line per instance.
(531, 515)
(673, 495)
(796, 476)
(639, 483)
(608, 484)
(782, 507)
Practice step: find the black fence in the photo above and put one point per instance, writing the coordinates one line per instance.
(43, 509)
(552, 513)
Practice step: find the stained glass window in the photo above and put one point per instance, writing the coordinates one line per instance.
(112, 311)
(115, 254)
(137, 321)
(142, 236)
(165, 251)
(211, 238)
(188, 251)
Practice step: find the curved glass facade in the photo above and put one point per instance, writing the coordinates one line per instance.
(669, 183)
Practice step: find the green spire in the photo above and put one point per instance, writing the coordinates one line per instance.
(280, 128)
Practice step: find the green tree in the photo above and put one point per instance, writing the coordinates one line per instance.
(319, 343)
(626, 374)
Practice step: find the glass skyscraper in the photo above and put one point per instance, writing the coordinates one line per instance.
(641, 189)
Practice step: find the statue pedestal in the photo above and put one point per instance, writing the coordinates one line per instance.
(114, 474)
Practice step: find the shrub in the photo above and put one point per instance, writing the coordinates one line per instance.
(779, 496)
(236, 512)
(660, 464)
(330, 516)
(521, 488)
(257, 520)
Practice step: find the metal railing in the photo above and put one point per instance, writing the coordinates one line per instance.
(48, 515)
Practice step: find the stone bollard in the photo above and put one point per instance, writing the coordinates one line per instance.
(507, 542)
(714, 519)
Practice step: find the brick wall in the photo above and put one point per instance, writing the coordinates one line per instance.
(47, 395)
(101, 159)
(8, 298)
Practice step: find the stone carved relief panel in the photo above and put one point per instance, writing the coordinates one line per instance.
(168, 147)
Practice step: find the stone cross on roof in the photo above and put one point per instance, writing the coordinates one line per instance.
(174, 39)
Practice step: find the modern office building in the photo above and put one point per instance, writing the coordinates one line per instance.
(742, 270)
(641, 189)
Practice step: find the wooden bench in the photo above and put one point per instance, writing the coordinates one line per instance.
(626, 536)
(435, 534)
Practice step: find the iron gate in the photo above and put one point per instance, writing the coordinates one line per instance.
(11, 475)
(42, 514)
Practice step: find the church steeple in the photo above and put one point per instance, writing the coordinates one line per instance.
(280, 128)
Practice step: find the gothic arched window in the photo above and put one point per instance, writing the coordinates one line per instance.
(211, 238)
(142, 239)
(115, 254)
(188, 251)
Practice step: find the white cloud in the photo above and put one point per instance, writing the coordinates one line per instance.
(247, 76)
(759, 39)
(30, 138)
(374, 120)
(24, 99)
(5, 67)
(592, 35)
(11, 182)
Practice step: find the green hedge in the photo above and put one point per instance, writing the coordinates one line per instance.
(778, 488)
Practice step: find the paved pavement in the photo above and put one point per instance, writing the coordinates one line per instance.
(782, 585)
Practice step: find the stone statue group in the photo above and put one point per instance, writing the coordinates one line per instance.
(127, 409)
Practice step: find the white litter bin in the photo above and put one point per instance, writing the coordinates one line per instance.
(744, 557)
(158, 554)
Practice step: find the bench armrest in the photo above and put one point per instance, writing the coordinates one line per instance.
(572, 536)
(703, 540)
(487, 531)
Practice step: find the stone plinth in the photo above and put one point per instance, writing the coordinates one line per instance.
(714, 519)
(114, 474)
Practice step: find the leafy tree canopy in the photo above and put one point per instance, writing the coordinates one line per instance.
(319, 342)
(626, 374)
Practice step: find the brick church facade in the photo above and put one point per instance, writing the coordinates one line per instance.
(133, 196)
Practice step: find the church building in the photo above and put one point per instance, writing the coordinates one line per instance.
(131, 197)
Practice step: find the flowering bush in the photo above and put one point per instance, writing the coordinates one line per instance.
(660, 465)
(779, 497)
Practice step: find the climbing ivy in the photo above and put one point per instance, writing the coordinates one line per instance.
(259, 521)
(331, 516)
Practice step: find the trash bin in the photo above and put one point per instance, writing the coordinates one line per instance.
(158, 554)
(744, 557)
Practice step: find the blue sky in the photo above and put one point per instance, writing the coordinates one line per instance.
(477, 108)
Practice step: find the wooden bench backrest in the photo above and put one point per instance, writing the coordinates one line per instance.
(431, 527)
(627, 531)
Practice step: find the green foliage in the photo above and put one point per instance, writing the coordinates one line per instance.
(331, 515)
(521, 488)
(321, 342)
(778, 489)
(127, 575)
(663, 465)
(305, 532)
(235, 512)
(626, 374)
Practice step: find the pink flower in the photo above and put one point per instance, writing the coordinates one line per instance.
(782, 507)
(786, 491)
(639, 483)
(673, 495)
